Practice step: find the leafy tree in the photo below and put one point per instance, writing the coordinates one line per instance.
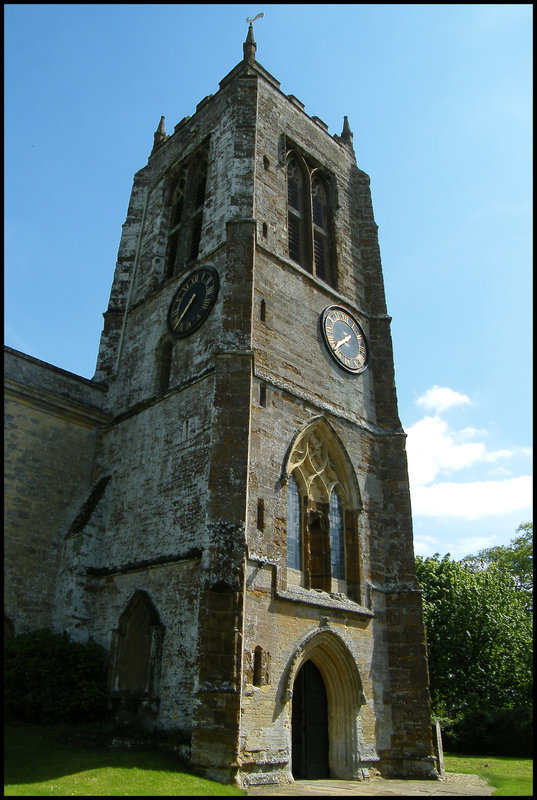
(515, 558)
(479, 637)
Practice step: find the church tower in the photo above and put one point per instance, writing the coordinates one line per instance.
(244, 544)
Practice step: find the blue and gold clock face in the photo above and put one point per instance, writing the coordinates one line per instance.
(193, 302)
(344, 339)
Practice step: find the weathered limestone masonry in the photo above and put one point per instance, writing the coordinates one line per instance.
(51, 422)
(226, 507)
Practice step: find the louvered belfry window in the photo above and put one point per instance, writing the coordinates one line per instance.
(320, 230)
(198, 199)
(295, 212)
(178, 202)
(186, 216)
(308, 220)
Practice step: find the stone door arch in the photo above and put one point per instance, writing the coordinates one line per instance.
(337, 667)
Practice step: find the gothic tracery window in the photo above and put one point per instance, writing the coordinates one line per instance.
(323, 505)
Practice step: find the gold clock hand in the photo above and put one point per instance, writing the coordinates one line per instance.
(342, 341)
(185, 310)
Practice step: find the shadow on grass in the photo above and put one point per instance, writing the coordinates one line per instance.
(33, 754)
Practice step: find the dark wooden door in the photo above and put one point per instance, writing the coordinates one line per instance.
(309, 725)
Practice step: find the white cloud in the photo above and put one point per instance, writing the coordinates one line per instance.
(432, 448)
(435, 453)
(440, 398)
(472, 500)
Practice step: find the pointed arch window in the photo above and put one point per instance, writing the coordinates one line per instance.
(136, 652)
(294, 525)
(309, 219)
(187, 203)
(323, 512)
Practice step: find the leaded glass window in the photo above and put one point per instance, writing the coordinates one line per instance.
(337, 544)
(294, 526)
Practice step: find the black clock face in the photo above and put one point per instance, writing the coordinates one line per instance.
(345, 339)
(193, 301)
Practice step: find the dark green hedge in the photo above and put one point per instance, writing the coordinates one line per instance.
(50, 678)
(498, 733)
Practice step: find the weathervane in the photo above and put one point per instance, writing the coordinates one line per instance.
(258, 16)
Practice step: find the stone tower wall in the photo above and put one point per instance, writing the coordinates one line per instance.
(176, 510)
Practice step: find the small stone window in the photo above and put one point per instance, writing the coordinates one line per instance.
(261, 675)
(261, 515)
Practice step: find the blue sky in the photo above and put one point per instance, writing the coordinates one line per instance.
(439, 101)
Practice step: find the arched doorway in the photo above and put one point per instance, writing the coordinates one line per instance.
(309, 725)
(334, 663)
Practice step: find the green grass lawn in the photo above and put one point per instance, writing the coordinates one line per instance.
(35, 763)
(512, 777)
